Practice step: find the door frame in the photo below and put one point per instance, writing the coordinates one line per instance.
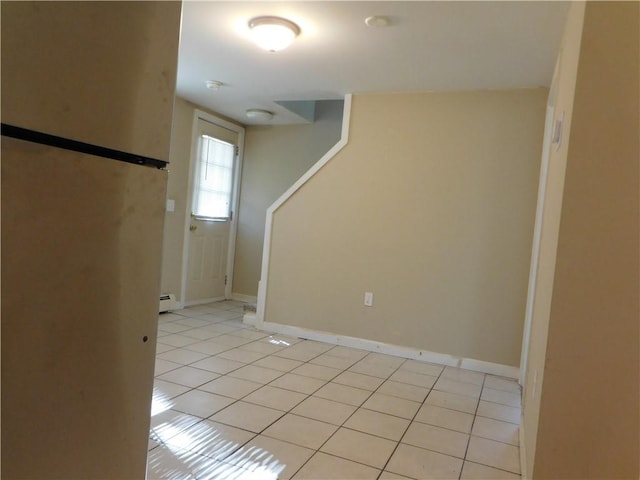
(547, 143)
(235, 198)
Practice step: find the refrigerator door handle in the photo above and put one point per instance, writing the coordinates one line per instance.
(76, 146)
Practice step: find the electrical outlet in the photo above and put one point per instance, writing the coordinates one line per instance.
(368, 299)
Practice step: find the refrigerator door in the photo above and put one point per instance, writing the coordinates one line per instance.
(81, 252)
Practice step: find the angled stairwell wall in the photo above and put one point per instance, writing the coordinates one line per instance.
(430, 206)
(275, 157)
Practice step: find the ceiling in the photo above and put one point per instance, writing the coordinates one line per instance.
(428, 46)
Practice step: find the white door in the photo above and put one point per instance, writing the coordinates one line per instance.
(214, 169)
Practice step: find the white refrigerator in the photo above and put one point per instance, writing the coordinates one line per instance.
(81, 249)
(87, 99)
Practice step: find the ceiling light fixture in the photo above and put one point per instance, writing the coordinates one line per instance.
(377, 21)
(259, 115)
(273, 33)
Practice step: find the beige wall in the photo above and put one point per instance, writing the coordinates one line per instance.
(275, 157)
(177, 185)
(589, 423)
(177, 190)
(430, 206)
(564, 87)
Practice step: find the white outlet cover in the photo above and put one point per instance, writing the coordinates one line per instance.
(368, 299)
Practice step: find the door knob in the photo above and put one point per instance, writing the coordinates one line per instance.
(193, 227)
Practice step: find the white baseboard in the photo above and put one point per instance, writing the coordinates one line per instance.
(192, 303)
(490, 367)
(240, 297)
(397, 350)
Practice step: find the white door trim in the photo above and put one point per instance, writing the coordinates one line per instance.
(535, 249)
(537, 229)
(233, 230)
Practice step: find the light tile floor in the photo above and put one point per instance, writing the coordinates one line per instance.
(231, 402)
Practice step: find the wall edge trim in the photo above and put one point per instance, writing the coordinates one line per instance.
(390, 349)
(523, 452)
(249, 318)
(266, 249)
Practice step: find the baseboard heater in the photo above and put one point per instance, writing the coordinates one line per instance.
(167, 302)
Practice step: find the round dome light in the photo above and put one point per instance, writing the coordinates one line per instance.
(273, 33)
(259, 115)
(377, 21)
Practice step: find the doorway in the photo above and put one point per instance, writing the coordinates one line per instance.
(210, 229)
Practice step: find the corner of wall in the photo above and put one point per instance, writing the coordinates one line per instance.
(564, 90)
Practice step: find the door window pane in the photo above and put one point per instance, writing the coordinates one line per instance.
(213, 179)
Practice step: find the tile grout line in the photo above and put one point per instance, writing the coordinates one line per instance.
(475, 414)
(240, 399)
(347, 419)
(471, 435)
(312, 393)
(203, 419)
(285, 412)
(413, 419)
